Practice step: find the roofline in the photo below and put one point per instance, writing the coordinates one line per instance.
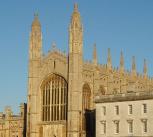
(133, 96)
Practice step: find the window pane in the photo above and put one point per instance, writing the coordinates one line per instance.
(104, 110)
(54, 98)
(117, 110)
(116, 124)
(103, 127)
(130, 109)
(130, 126)
(144, 108)
(144, 126)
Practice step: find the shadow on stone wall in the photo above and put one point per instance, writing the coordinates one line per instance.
(90, 123)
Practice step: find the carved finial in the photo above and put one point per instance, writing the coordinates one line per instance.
(36, 20)
(8, 111)
(145, 68)
(109, 60)
(133, 65)
(121, 62)
(95, 55)
(36, 14)
(76, 19)
(53, 46)
(75, 7)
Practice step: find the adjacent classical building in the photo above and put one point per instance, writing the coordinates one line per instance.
(13, 125)
(61, 87)
(125, 115)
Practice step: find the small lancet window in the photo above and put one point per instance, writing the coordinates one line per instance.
(54, 64)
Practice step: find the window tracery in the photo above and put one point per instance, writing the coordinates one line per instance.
(86, 96)
(54, 98)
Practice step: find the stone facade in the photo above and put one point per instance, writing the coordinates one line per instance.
(13, 125)
(62, 86)
(124, 115)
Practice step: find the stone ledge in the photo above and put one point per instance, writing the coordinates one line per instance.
(132, 96)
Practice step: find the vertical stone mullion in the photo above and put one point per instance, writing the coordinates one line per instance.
(53, 98)
(63, 100)
(65, 89)
(50, 100)
(56, 98)
(45, 104)
(42, 94)
(56, 95)
(59, 98)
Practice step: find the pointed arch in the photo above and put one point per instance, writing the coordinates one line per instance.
(54, 98)
(86, 96)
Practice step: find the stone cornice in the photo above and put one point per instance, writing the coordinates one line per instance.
(124, 97)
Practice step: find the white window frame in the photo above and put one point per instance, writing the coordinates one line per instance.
(144, 126)
(144, 108)
(103, 123)
(116, 127)
(103, 110)
(130, 109)
(116, 109)
(130, 126)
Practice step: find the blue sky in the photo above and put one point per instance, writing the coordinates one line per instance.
(125, 25)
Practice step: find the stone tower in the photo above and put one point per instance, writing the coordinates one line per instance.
(34, 63)
(75, 75)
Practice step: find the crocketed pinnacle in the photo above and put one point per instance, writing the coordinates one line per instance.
(122, 62)
(133, 66)
(95, 55)
(75, 7)
(109, 60)
(145, 68)
(36, 21)
(76, 19)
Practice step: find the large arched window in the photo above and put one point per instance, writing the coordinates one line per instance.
(54, 98)
(86, 96)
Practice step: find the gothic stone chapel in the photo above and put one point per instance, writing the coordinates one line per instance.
(61, 88)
